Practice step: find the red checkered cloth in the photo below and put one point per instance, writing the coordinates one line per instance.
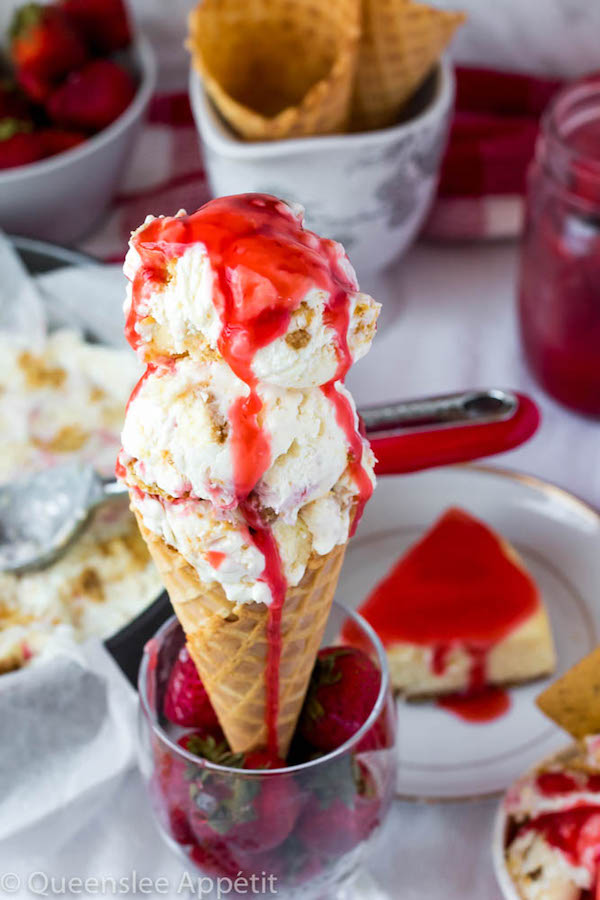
(492, 141)
(481, 186)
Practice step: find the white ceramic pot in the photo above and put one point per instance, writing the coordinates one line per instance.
(62, 198)
(369, 190)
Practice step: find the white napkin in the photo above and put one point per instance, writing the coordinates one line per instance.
(67, 733)
(89, 299)
(67, 722)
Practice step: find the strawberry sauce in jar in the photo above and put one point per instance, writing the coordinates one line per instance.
(559, 292)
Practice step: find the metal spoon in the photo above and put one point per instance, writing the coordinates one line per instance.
(42, 515)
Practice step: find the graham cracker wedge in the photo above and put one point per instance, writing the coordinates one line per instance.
(573, 702)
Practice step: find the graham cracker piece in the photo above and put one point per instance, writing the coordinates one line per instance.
(573, 702)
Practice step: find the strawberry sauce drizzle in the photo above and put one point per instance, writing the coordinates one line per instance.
(150, 369)
(215, 558)
(273, 576)
(575, 831)
(263, 263)
(455, 588)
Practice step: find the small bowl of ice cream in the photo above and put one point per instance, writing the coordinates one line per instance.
(546, 842)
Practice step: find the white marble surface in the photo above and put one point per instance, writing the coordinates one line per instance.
(448, 322)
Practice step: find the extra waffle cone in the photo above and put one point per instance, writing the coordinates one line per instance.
(229, 642)
(278, 68)
(401, 41)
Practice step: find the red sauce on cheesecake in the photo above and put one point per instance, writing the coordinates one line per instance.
(455, 588)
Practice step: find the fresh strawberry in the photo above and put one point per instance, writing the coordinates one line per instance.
(335, 828)
(179, 826)
(205, 791)
(44, 47)
(214, 858)
(263, 759)
(33, 86)
(57, 140)
(343, 689)
(270, 815)
(103, 23)
(186, 701)
(13, 104)
(250, 815)
(177, 781)
(18, 144)
(92, 97)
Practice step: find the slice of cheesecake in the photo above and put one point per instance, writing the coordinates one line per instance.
(459, 611)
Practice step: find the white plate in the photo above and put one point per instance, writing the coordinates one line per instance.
(441, 756)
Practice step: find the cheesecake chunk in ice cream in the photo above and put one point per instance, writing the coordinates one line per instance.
(247, 323)
(242, 449)
(194, 285)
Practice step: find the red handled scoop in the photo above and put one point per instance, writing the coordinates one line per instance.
(453, 428)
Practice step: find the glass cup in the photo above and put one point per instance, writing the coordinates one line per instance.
(559, 291)
(302, 831)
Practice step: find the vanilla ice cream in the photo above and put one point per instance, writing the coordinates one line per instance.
(247, 323)
(64, 400)
(553, 830)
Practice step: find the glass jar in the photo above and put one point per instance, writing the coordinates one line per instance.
(559, 292)
(322, 814)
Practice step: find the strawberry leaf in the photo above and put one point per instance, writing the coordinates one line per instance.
(24, 19)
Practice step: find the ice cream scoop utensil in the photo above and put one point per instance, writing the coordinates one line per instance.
(41, 516)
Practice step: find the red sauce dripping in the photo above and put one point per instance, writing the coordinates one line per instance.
(456, 587)
(482, 706)
(120, 470)
(215, 558)
(572, 831)
(263, 263)
(150, 368)
(263, 539)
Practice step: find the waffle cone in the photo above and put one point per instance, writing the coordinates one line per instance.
(401, 41)
(229, 642)
(277, 68)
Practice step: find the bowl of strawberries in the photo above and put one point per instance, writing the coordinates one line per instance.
(301, 826)
(75, 83)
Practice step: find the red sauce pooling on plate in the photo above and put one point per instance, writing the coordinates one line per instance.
(263, 263)
(478, 706)
(455, 588)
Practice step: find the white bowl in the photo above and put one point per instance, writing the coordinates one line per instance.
(503, 878)
(61, 198)
(369, 190)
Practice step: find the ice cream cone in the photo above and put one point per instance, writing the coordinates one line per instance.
(400, 43)
(229, 642)
(277, 68)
